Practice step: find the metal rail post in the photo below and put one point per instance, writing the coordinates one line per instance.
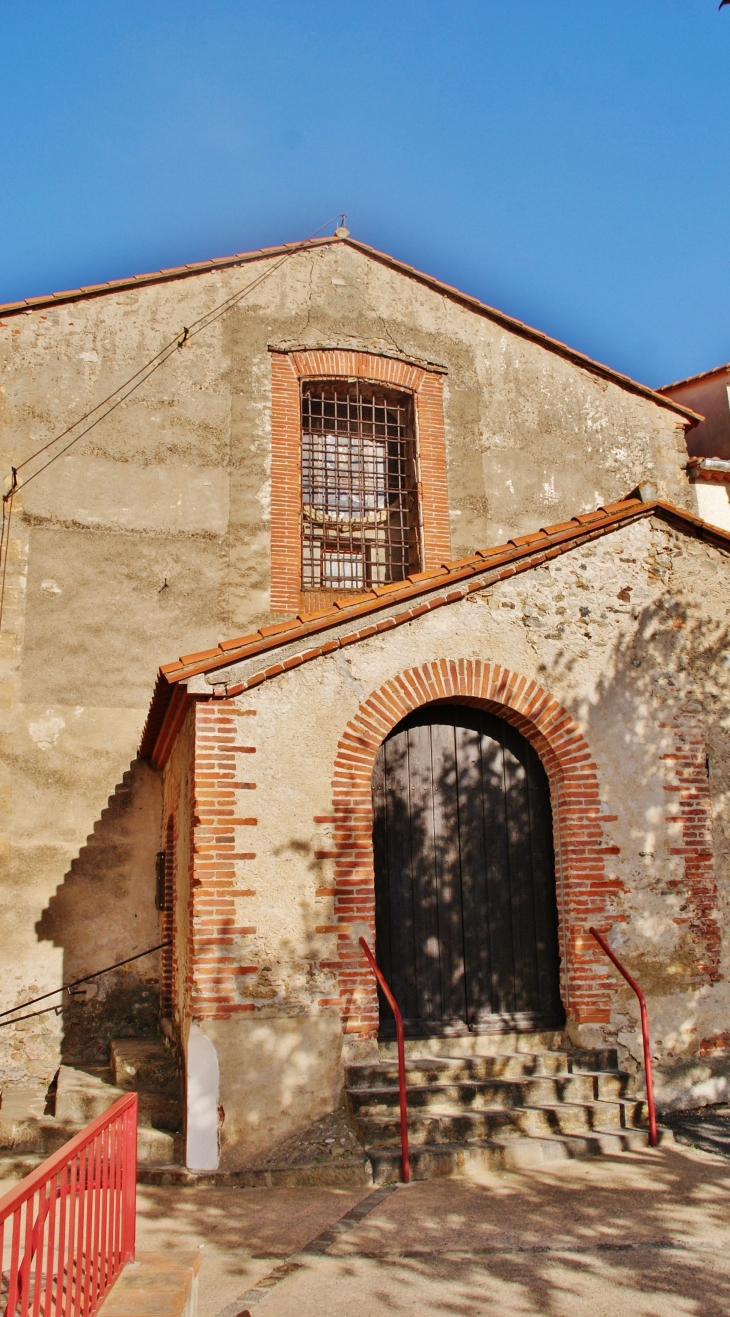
(405, 1159)
(653, 1138)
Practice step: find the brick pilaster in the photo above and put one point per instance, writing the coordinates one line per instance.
(221, 845)
(688, 794)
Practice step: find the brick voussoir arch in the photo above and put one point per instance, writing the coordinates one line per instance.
(585, 895)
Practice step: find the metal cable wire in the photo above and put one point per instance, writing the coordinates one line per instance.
(120, 394)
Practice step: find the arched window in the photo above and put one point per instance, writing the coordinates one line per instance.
(360, 512)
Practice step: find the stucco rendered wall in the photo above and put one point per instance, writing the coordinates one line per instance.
(630, 635)
(150, 538)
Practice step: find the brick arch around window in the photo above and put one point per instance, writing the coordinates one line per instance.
(288, 369)
(585, 894)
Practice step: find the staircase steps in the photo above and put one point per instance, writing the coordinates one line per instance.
(472, 1112)
(144, 1065)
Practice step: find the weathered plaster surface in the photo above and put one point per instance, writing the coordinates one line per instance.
(628, 633)
(278, 1073)
(151, 537)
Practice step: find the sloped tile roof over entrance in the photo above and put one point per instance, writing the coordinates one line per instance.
(411, 598)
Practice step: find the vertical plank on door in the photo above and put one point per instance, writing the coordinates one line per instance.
(466, 913)
(425, 875)
(448, 870)
(474, 890)
(520, 876)
(544, 893)
(501, 941)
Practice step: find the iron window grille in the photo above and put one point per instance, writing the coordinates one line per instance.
(360, 514)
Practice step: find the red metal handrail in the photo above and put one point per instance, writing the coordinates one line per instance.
(404, 1157)
(653, 1140)
(68, 1228)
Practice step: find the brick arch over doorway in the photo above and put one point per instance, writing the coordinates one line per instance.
(585, 893)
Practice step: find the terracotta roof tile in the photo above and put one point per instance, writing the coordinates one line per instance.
(695, 379)
(456, 564)
(526, 539)
(565, 525)
(528, 550)
(274, 629)
(187, 659)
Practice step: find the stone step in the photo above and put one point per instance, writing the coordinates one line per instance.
(14, 1167)
(485, 1101)
(146, 1065)
(438, 1127)
(46, 1134)
(518, 1065)
(83, 1094)
(475, 1044)
(431, 1161)
(531, 1092)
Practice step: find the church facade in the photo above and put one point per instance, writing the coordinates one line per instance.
(454, 679)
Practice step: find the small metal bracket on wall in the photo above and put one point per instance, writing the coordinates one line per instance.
(160, 886)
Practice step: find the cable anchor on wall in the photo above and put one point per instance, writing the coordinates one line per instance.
(13, 485)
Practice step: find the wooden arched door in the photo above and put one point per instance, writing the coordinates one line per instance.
(465, 905)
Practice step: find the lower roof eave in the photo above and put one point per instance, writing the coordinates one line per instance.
(312, 635)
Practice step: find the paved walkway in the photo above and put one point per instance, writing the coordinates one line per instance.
(637, 1235)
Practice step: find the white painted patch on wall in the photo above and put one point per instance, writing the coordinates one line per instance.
(46, 731)
(264, 497)
(713, 504)
(51, 587)
(203, 1086)
(88, 356)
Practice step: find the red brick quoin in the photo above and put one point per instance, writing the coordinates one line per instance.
(218, 939)
(689, 794)
(586, 895)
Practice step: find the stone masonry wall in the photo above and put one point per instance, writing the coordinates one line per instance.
(613, 659)
(151, 537)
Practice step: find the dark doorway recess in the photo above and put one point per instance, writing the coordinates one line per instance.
(465, 906)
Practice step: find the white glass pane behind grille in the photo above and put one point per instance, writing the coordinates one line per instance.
(359, 503)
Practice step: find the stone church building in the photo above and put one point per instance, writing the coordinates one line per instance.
(371, 612)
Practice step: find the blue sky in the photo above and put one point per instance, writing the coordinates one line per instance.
(566, 161)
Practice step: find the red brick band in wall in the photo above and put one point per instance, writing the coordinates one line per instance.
(586, 895)
(287, 369)
(217, 956)
(690, 794)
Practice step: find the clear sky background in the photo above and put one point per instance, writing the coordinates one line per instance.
(565, 160)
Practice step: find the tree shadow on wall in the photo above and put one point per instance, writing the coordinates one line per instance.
(103, 912)
(464, 875)
(656, 684)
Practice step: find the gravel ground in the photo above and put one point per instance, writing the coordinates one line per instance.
(707, 1128)
(328, 1140)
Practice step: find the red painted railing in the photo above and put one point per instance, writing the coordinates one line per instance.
(404, 1157)
(68, 1228)
(653, 1139)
